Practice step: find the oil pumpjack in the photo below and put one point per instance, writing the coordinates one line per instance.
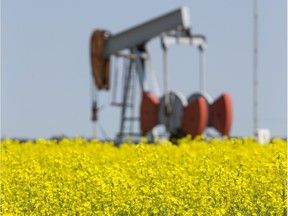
(179, 115)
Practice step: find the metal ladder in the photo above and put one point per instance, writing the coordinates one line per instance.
(128, 118)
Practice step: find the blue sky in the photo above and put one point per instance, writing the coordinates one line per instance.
(46, 72)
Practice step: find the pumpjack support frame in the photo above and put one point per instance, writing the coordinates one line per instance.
(173, 28)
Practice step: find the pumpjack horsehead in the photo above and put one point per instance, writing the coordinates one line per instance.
(179, 115)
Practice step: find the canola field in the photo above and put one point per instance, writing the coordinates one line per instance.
(196, 177)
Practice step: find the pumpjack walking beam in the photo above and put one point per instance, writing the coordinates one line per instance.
(176, 20)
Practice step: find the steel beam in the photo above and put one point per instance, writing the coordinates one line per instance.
(195, 40)
(139, 35)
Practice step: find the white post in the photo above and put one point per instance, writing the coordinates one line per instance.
(202, 70)
(166, 81)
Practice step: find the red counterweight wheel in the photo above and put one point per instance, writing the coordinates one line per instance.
(148, 112)
(220, 114)
(195, 117)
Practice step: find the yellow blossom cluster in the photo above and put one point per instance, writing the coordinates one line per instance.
(226, 176)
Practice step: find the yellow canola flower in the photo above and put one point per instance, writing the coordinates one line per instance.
(196, 177)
